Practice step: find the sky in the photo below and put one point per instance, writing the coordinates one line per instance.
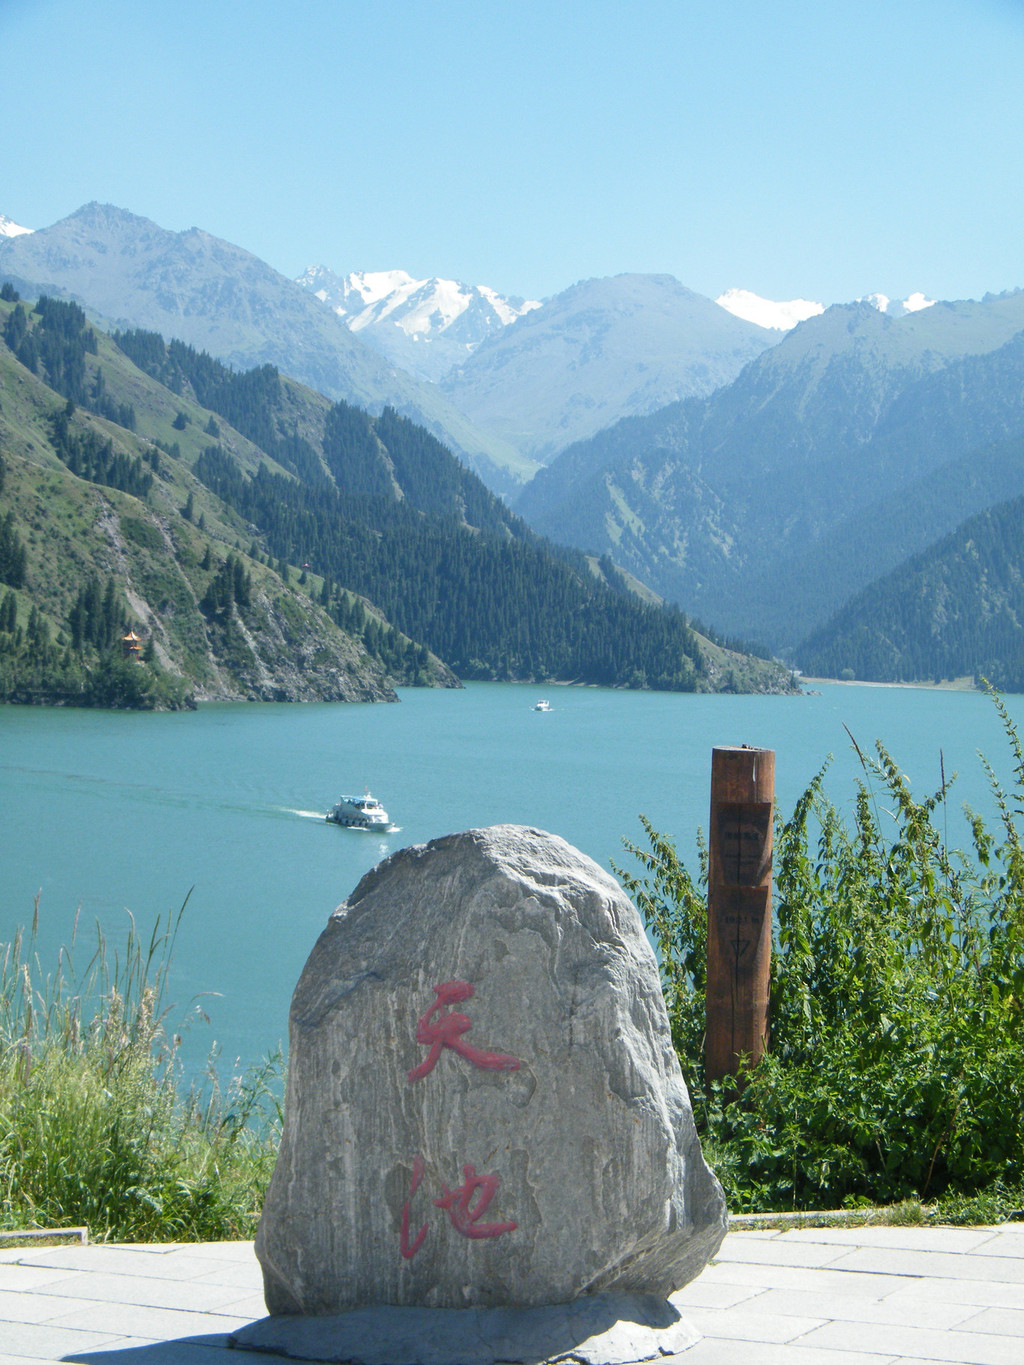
(821, 149)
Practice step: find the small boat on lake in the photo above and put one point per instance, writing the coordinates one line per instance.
(543, 706)
(359, 812)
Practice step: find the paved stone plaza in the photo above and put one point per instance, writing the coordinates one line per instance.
(813, 1296)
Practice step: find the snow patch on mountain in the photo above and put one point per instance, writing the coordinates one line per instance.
(11, 229)
(897, 308)
(784, 316)
(780, 317)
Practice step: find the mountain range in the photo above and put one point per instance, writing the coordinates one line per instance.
(761, 463)
(129, 272)
(265, 542)
(853, 443)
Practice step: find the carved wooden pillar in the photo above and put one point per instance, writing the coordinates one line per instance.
(739, 907)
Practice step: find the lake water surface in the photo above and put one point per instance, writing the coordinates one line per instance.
(109, 812)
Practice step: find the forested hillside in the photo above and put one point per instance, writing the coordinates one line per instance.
(383, 508)
(263, 541)
(105, 531)
(956, 610)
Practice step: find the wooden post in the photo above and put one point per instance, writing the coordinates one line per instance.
(739, 907)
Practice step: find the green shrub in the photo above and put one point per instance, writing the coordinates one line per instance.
(896, 1065)
(143, 533)
(95, 1126)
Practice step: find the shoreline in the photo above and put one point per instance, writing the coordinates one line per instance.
(964, 684)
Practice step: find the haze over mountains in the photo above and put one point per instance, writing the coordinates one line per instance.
(856, 441)
(759, 462)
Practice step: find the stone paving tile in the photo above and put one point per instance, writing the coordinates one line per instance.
(979, 1292)
(704, 1293)
(712, 1351)
(1006, 1244)
(958, 1348)
(800, 1277)
(233, 1272)
(738, 1324)
(776, 1251)
(250, 1308)
(7, 1359)
(849, 1308)
(937, 1265)
(148, 1291)
(9, 1254)
(158, 1324)
(183, 1352)
(31, 1306)
(170, 1264)
(752, 1234)
(43, 1341)
(906, 1239)
(1004, 1321)
(222, 1251)
(30, 1276)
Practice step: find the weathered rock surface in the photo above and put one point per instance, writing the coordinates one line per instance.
(484, 1108)
(598, 1329)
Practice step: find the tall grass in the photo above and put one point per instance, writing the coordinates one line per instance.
(96, 1125)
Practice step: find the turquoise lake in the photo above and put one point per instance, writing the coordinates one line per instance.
(106, 812)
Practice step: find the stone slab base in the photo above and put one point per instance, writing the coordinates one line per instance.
(598, 1329)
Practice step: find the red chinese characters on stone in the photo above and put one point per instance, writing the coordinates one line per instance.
(468, 1202)
(458, 1203)
(466, 1219)
(409, 1249)
(437, 1031)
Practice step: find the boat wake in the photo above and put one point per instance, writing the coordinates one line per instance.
(305, 814)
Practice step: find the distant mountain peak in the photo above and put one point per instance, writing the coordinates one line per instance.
(421, 308)
(779, 317)
(8, 228)
(427, 326)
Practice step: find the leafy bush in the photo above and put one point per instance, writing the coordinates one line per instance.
(95, 1128)
(896, 1067)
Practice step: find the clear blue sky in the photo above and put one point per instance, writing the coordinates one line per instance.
(823, 148)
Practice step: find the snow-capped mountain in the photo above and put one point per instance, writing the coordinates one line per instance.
(766, 312)
(11, 229)
(782, 317)
(425, 326)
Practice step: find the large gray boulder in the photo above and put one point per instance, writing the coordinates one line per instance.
(484, 1107)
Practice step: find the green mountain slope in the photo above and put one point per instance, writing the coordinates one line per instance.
(93, 507)
(955, 610)
(408, 556)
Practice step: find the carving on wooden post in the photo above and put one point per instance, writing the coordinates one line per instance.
(739, 907)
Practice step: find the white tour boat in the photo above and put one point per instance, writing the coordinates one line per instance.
(359, 812)
(543, 706)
